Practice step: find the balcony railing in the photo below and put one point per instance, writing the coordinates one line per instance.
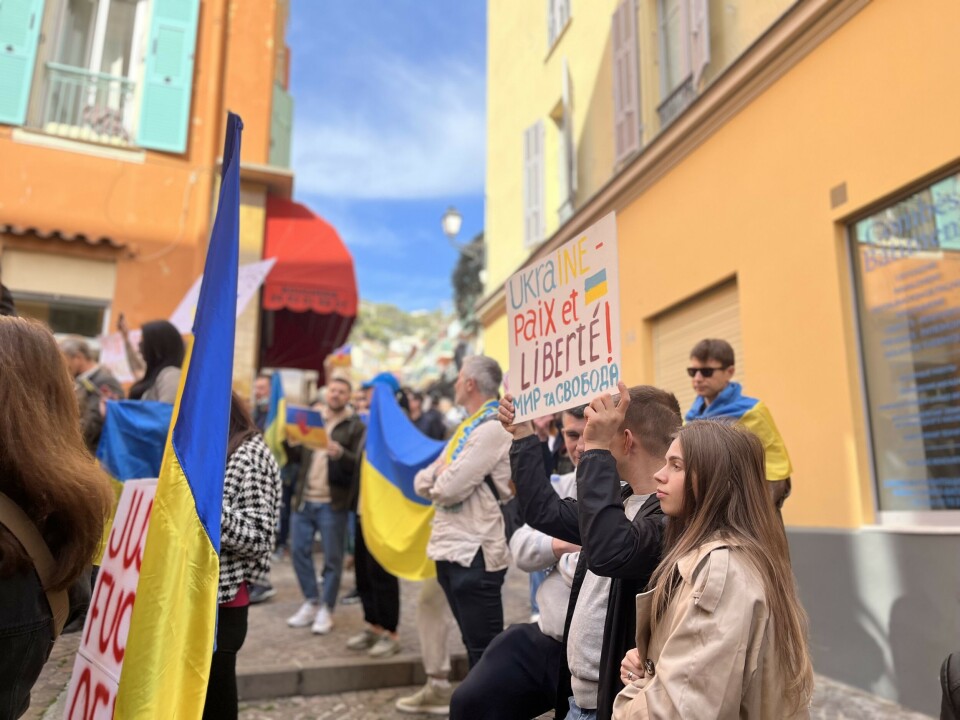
(87, 105)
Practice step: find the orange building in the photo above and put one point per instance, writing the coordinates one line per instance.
(112, 116)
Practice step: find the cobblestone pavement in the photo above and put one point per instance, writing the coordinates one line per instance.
(833, 701)
(270, 644)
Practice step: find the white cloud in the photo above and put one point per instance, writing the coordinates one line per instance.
(420, 134)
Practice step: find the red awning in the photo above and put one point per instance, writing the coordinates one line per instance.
(314, 269)
(310, 295)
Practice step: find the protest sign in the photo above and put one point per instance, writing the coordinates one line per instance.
(96, 670)
(249, 279)
(564, 324)
(113, 355)
(305, 426)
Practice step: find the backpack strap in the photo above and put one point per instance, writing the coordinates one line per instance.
(16, 521)
(488, 479)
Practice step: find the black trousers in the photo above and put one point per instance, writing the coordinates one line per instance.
(379, 590)
(222, 700)
(474, 597)
(516, 679)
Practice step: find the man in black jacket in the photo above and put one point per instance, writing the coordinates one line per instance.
(322, 494)
(620, 529)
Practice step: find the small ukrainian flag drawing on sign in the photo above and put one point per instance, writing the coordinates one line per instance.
(595, 286)
(305, 426)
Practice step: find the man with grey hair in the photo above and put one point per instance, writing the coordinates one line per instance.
(92, 383)
(466, 483)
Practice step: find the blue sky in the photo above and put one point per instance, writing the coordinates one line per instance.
(389, 130)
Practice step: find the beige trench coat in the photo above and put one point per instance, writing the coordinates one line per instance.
(712, 654)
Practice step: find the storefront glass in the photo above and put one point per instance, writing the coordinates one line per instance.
(907, 265)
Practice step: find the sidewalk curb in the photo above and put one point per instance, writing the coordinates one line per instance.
(339, 675)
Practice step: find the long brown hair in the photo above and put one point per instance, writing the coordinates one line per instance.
(44, 465)
(242, 426)
(725, 497)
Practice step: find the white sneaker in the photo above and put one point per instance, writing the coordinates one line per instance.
(323, 623)
(304, 616)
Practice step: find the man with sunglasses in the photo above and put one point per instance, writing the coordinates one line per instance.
(711, 372)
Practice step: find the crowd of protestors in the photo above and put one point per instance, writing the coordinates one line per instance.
(661, 584)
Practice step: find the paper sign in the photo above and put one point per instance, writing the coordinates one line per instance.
(249, 279)
(96, 670)
(564, 324)
(113, 356)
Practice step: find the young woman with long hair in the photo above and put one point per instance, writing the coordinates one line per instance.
(161, 347)
(46, 471)
(251, 508)
(721, 632)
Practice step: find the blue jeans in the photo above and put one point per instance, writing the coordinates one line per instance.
(578, 713)
(536, 579)
(332, 525)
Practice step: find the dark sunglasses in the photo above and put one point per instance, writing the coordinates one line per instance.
(705, 371)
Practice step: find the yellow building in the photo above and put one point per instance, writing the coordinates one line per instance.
(785, 175)
(112, 115)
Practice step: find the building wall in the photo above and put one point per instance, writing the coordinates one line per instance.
(157, 207)
(868, 108)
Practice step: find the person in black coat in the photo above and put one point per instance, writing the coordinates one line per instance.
(622, 442)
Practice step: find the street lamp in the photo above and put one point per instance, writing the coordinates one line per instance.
(451, 222)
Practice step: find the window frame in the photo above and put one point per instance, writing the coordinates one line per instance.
(915, 521)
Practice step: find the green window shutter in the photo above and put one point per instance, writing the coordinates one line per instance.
(19, 28)
(168, 77)
(281, 127)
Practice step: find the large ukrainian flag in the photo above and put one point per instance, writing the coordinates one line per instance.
(396, 522)
(173, 623)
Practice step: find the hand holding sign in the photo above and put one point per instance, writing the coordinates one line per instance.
(604, 419)
(507, 415)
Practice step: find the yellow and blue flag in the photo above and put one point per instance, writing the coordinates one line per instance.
(595, 286)
(755, 416)
(396, 521)
(274, 432)
(133, 438)
(173, 623)
(305, 426)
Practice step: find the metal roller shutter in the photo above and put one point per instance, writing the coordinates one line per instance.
(715, 314)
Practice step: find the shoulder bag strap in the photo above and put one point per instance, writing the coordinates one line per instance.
(16, 521)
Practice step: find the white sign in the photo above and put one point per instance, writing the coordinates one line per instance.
(113, 355)
(564, 323)
(96, 670)
(249, 279)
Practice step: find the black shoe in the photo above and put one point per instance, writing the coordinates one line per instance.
(261, 593)
(351, 598)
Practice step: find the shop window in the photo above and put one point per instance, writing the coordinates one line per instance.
(907, 266)
(64, 316)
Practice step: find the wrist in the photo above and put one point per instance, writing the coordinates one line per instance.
(523, 430)
(596, 445)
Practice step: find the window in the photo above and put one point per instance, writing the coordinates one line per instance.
(558, 15)
(626, 88)
(91, 77)
(566, 150)
(907, 266)
(533, 221)
(64, 316)
(684, 53)
(118, 72)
